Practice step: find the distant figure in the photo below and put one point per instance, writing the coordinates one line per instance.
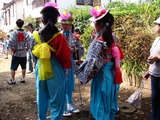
(19, 43)
(77, 33)
(31, 59)
(6, 46)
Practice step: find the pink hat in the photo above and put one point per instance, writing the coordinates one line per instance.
(98, 13)
(66, 18)
(49, 5)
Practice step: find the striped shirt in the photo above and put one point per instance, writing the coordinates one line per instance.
(19, 42)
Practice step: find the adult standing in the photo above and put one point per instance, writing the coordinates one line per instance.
(19, 43)
(102, 66)
(6, 46)
(66, 21)
(53, 57)
(154, 72)
(31, 58)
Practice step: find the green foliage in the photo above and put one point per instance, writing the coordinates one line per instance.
(81, 17)
(133, 28)
(32, 20)
(86, 38)
(81, 20)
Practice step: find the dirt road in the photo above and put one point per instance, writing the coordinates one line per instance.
(17, 102)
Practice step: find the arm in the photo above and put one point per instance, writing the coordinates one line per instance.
(12, 41)
(118, 74)
(153, 58)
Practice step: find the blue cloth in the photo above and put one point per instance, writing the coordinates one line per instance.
(66, 33)
(52, 92)
(155, 85)
(103, 105)
(70, 83)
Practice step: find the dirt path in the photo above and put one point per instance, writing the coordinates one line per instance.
(17, 102)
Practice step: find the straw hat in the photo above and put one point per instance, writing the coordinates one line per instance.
(98, 13)
(65, 18)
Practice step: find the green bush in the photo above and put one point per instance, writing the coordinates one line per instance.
(32, 20)
(81, 17)
(133, 28)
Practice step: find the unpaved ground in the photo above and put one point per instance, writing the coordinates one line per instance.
(17, 102)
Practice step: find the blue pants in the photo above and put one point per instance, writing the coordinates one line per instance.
(70, 83)
(51, 93)
(155, 85)
(103, 104)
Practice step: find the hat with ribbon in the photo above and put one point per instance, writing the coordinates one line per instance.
(48, 6)
(66, 18)
(98, 12)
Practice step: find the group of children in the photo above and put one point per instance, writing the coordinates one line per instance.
(55, 54)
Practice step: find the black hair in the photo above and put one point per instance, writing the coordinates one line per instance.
(108, 21)
(50, 14)
(77, 30)
(31, 25)
(49, 17)
(72, 29)
(20, 23)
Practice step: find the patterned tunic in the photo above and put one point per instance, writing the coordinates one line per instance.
(19, 42)
(94, 61)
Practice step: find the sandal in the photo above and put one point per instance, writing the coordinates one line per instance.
(66, 113)
(11, 82)
(72, 108)
(22, 81)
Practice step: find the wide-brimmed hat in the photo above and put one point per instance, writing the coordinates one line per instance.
(157, 21)
(49, 5)
(98, 12)
(65, 18)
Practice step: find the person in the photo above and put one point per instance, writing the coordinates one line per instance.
(77, 33)
(76, 49)
(31, 58)
(102, 66)
(19, 43)
(153, 72)
(53, 57)
(6, 46)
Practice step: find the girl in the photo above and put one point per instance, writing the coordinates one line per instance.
(53, 56)
(102, 65)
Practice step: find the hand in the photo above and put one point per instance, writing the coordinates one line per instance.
(13, 50)
(152, 59)
(71, 50)
(79, 82)
(146, 75)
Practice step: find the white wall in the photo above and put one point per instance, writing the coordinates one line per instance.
(65, 4)
(19, 9)
(35, 13)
